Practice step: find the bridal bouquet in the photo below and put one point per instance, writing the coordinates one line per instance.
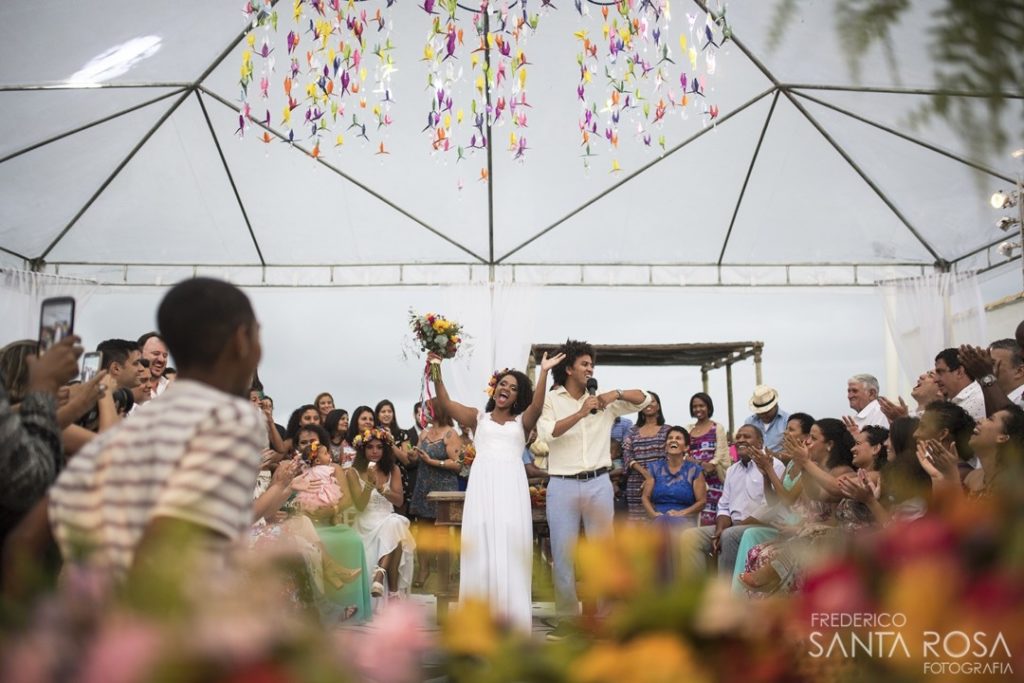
(436, 334)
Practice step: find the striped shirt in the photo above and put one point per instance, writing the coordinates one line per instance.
(192, 455)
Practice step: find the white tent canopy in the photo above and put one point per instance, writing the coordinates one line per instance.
(806, 177)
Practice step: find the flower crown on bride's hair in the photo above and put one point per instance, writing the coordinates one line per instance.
(493, 383)
(371, 434)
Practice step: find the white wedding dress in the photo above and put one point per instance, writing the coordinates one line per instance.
(497, 526)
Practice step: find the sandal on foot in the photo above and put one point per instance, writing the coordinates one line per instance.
(377, 587)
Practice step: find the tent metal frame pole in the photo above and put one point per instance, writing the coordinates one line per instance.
(902, 91)
(117, 170)
(381, 264)
(91, 124)
(611, 188)
(490, 142)
(365, 188)
(939, 261)
(29, 87)
(909, 138)
(24, 258)
(746, 179)
(231, 178)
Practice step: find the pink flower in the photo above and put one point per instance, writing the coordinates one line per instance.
(374, 654)
(124, 651)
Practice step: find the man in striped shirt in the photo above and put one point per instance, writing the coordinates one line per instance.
(184, 466)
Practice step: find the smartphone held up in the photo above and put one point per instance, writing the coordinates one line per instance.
(56, 321)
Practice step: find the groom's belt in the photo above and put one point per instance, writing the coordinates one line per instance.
(584, 476)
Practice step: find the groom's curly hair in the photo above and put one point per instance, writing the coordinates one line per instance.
(572, 349)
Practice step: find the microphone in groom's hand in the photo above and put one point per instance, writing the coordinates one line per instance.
(592, 390)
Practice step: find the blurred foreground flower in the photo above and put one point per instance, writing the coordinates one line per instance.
(650, 658)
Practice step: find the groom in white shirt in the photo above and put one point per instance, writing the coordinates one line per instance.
(575, 425)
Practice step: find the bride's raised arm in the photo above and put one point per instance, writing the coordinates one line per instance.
(532, 413)
(464, 415)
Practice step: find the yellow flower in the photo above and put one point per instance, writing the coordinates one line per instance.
(470, 630)
(651, 658)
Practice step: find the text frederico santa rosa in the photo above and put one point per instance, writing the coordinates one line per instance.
(852, 635)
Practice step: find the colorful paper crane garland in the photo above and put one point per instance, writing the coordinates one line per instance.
(326, 75)
(497, 65)
(638, 66)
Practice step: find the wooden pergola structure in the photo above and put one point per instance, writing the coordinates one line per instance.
(707, 356)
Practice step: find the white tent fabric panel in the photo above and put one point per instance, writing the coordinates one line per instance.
(811, 51)
(172, 203)
(43, 190)
(675, 212)
(33, 117)
(896, 111)
(319, 217)
(803, 198)
(416, 215)
(48, 41)
(943, 199)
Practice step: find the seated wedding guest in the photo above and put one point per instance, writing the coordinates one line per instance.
(948, 425)
(788, 489)
(336, 425)
(675, 491)
(644, 443)
(418, 423)
(375, 487)
(768, 417)
(170, 374)
(862, 394)
(958, 386)
(339, 557)
(324, 403)
(709, 447)
(998, 441)
(173, 485)
(924, 392)
(30, 442)
(362, 420)
(384, 415)
(268, 408)
(300, 417)
(154, 349)
(122, 360)
(776, 565)
(743, 493)
(824, 457)
(144, 392)
(1008, 369)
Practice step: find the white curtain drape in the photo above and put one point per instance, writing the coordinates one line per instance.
(926, 314)
(23, 292)
(500, 320)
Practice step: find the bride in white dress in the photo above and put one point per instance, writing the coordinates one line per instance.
(497, 526)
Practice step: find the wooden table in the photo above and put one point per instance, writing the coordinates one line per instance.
(449, 513)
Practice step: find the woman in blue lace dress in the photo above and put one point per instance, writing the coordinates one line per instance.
(674, 493)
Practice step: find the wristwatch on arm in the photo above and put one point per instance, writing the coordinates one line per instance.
(988, 380)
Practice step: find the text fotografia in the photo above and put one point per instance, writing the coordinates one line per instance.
(883, 636)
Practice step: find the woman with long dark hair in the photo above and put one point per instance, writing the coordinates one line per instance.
(644, 443)
(497, 525)
(709, 448)
(384, 415)
(375, 488)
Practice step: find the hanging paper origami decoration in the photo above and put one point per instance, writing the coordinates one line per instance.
(492, 40)
(628, 72)
(324, 88)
